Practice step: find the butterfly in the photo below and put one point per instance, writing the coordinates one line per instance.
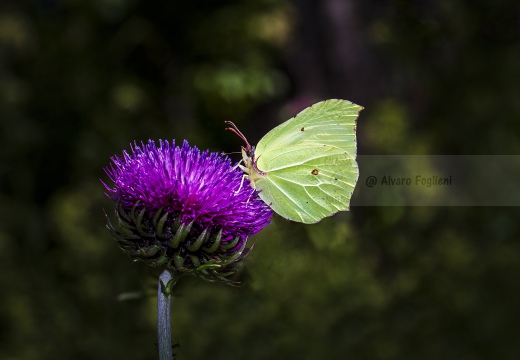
(305, 169)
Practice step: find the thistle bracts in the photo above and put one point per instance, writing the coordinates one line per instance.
(183, 210)
(164, 241)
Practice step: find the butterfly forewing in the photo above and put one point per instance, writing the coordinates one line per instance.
(309, 162)
(329, 122)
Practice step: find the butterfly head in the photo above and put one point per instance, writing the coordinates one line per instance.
(248, 156)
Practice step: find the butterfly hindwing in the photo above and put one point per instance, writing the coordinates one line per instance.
(309, 162)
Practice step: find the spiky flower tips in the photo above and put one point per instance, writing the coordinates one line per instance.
(188, 211)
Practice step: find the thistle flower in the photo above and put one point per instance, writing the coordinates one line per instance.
(183, 210)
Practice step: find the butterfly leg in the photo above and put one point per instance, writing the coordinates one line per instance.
(238, 165)
(241, 183)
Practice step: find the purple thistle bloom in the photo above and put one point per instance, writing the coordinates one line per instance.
(183, 209)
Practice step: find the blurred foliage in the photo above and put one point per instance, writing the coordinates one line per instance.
(80, 80)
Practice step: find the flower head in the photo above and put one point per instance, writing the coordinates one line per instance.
(182, 209)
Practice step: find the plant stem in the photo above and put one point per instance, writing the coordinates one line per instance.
(163, 315)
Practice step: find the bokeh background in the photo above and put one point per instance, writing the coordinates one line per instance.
(81, 80)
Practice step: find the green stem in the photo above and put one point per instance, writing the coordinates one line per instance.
(166, 283)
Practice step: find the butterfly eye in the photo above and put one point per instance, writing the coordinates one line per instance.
(302, 129)
(315, 172)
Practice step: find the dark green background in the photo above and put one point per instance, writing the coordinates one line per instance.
(80, 80)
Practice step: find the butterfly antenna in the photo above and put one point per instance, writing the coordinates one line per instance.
(234, 129)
